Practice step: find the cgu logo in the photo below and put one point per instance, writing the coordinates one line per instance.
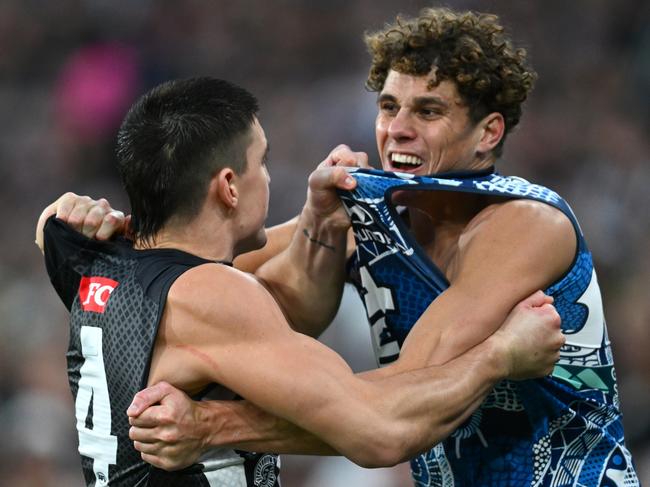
(94, 293)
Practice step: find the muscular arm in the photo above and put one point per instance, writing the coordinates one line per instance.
(306, 279)
(252, 351)
(517, 248)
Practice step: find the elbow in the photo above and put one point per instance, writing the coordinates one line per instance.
(385, 447)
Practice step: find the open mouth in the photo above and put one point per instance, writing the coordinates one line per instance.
(404, 162)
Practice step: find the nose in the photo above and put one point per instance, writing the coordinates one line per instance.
(401, 126)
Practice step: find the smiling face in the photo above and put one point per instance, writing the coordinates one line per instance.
(427, 130)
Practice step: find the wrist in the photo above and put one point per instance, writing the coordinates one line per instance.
(325, 219)
(498, 355)
(207, 421)
(328, 232)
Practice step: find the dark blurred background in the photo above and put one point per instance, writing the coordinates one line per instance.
(69, 69)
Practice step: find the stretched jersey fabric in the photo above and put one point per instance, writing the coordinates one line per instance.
(561, 430)
(116, 296)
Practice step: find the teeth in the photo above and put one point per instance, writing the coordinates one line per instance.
(406, 159)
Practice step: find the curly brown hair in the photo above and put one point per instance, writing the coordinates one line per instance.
(467, 48)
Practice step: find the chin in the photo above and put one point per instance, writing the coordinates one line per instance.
(253, 242)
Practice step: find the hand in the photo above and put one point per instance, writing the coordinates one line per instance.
(93, 218)
(167, 427)
(322, 199)
(532, 337)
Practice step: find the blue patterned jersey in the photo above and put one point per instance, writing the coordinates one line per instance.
(562, 430)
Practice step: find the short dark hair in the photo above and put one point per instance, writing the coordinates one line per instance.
(173, 140)
(469, 49)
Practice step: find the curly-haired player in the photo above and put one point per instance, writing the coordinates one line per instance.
(468, 246)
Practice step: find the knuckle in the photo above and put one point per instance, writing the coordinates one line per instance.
(114, 216)
(165, 417)
(93, 218)
(75, 220)
(166, 437)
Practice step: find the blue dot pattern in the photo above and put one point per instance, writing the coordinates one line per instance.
(562, 430)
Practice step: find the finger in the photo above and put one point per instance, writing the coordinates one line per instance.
(342, 179)
(536, 300)
(148, 397)
(554, 317)
(353, 159)
(65, 204)
(154, 460)
(330, 161)
(148, 448)
(112, 224)
(326, 179)
(45, 215)
(77, 215)
(93, 221)
(143, 434)
(363, 160)
(343, 155)
(151, 417)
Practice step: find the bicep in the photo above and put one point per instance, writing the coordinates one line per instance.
(520, 249)
(244, 343)
(288, 375)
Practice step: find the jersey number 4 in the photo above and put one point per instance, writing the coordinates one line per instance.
(95, 442)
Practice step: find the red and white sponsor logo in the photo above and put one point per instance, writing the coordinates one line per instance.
(94, 293)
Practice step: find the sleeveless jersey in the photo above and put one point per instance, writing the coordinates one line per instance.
(561, 430)
(116, 296)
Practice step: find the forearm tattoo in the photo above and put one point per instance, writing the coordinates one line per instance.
(318, 242)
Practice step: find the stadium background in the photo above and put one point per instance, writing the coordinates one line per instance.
(70, 68)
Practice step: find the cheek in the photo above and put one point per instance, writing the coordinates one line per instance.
(381, 135)
(381, 128)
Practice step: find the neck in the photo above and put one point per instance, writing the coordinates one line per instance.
(441, 210)
(438, 223)
(208, 240)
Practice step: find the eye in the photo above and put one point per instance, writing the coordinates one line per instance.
(430, 112)
(388, 107)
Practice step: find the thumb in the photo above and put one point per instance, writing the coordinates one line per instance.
(148, 397)
(326, 179)
(537, 299)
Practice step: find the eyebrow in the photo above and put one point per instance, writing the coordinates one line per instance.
(418, 100)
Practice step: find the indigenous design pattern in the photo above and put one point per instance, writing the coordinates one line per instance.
(561, 430)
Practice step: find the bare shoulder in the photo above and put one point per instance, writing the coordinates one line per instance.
(223, 299)
(521, 235)
(523, 218)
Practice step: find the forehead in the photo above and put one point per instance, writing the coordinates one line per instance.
(258, 131)
(258, 136)
(404, 86)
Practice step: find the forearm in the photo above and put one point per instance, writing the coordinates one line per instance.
(242, 425)
(383, 422)
(307, 278)
(427, 405)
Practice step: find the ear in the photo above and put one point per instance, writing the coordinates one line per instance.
(492, 127)
(223, 189)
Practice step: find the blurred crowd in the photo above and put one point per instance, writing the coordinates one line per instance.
(69, 69)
